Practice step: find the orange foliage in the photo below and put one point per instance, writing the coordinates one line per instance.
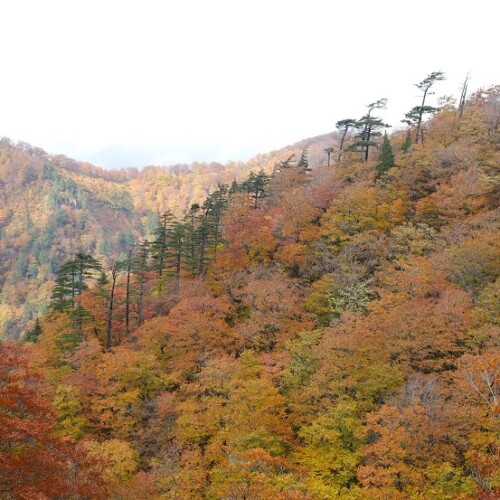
(33, 462)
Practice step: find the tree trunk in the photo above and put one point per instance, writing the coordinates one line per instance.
(109, 327)
(368, 133)
(419, 123)
(463, 95)
(341, 147)
(127, 293)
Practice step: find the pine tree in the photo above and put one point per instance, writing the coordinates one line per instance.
(198, 234)
(407, 142)
(65, 289)
(159, 246)
(87, 266)
(111, 303)
(463, 95)
(369, 126)
(255, 186)
(304, 161)
(284, 165)
(33, 334)
(416, 114)
(202, 239)
(329, 152)
(102, 280)
(127, 265)
(72, 279)
(235, 187)
(213, 208)
(176, 243)
(191, 223)
(385, 157)
(343, 126)
(140, 270)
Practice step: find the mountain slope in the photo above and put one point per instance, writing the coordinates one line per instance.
(53, 207)
(340, 340)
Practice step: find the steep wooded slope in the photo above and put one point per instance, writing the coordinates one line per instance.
(52, 207)
(340, 340)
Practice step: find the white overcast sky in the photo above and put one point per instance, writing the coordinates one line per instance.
(122, 83)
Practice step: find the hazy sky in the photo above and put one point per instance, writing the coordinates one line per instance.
(122, 83)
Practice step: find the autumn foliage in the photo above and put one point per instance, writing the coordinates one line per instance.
(316, 331)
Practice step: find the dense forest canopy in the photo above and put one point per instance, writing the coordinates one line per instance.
(321, 322)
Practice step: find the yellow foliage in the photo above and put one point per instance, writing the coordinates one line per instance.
(6, 314)
(361, 208)
(120, 458)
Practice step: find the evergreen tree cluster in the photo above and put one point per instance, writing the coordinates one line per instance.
(369, 127)
(184, 247)
(188, 246)
(72, 279)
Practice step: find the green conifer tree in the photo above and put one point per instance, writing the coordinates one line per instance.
(140, 269)
(72, 279)
(33, 334)
(385, 157)
(255, 186)
(407, 142)
(284, 165)
(159, 246)
(213, 208)
(416, 114)
(304, 161)
(343, 126)
(370, 128)
(235, 187)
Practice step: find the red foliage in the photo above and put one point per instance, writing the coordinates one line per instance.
(34, 463)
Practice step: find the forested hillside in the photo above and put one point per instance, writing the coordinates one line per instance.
(326, 326)
(52, 207)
